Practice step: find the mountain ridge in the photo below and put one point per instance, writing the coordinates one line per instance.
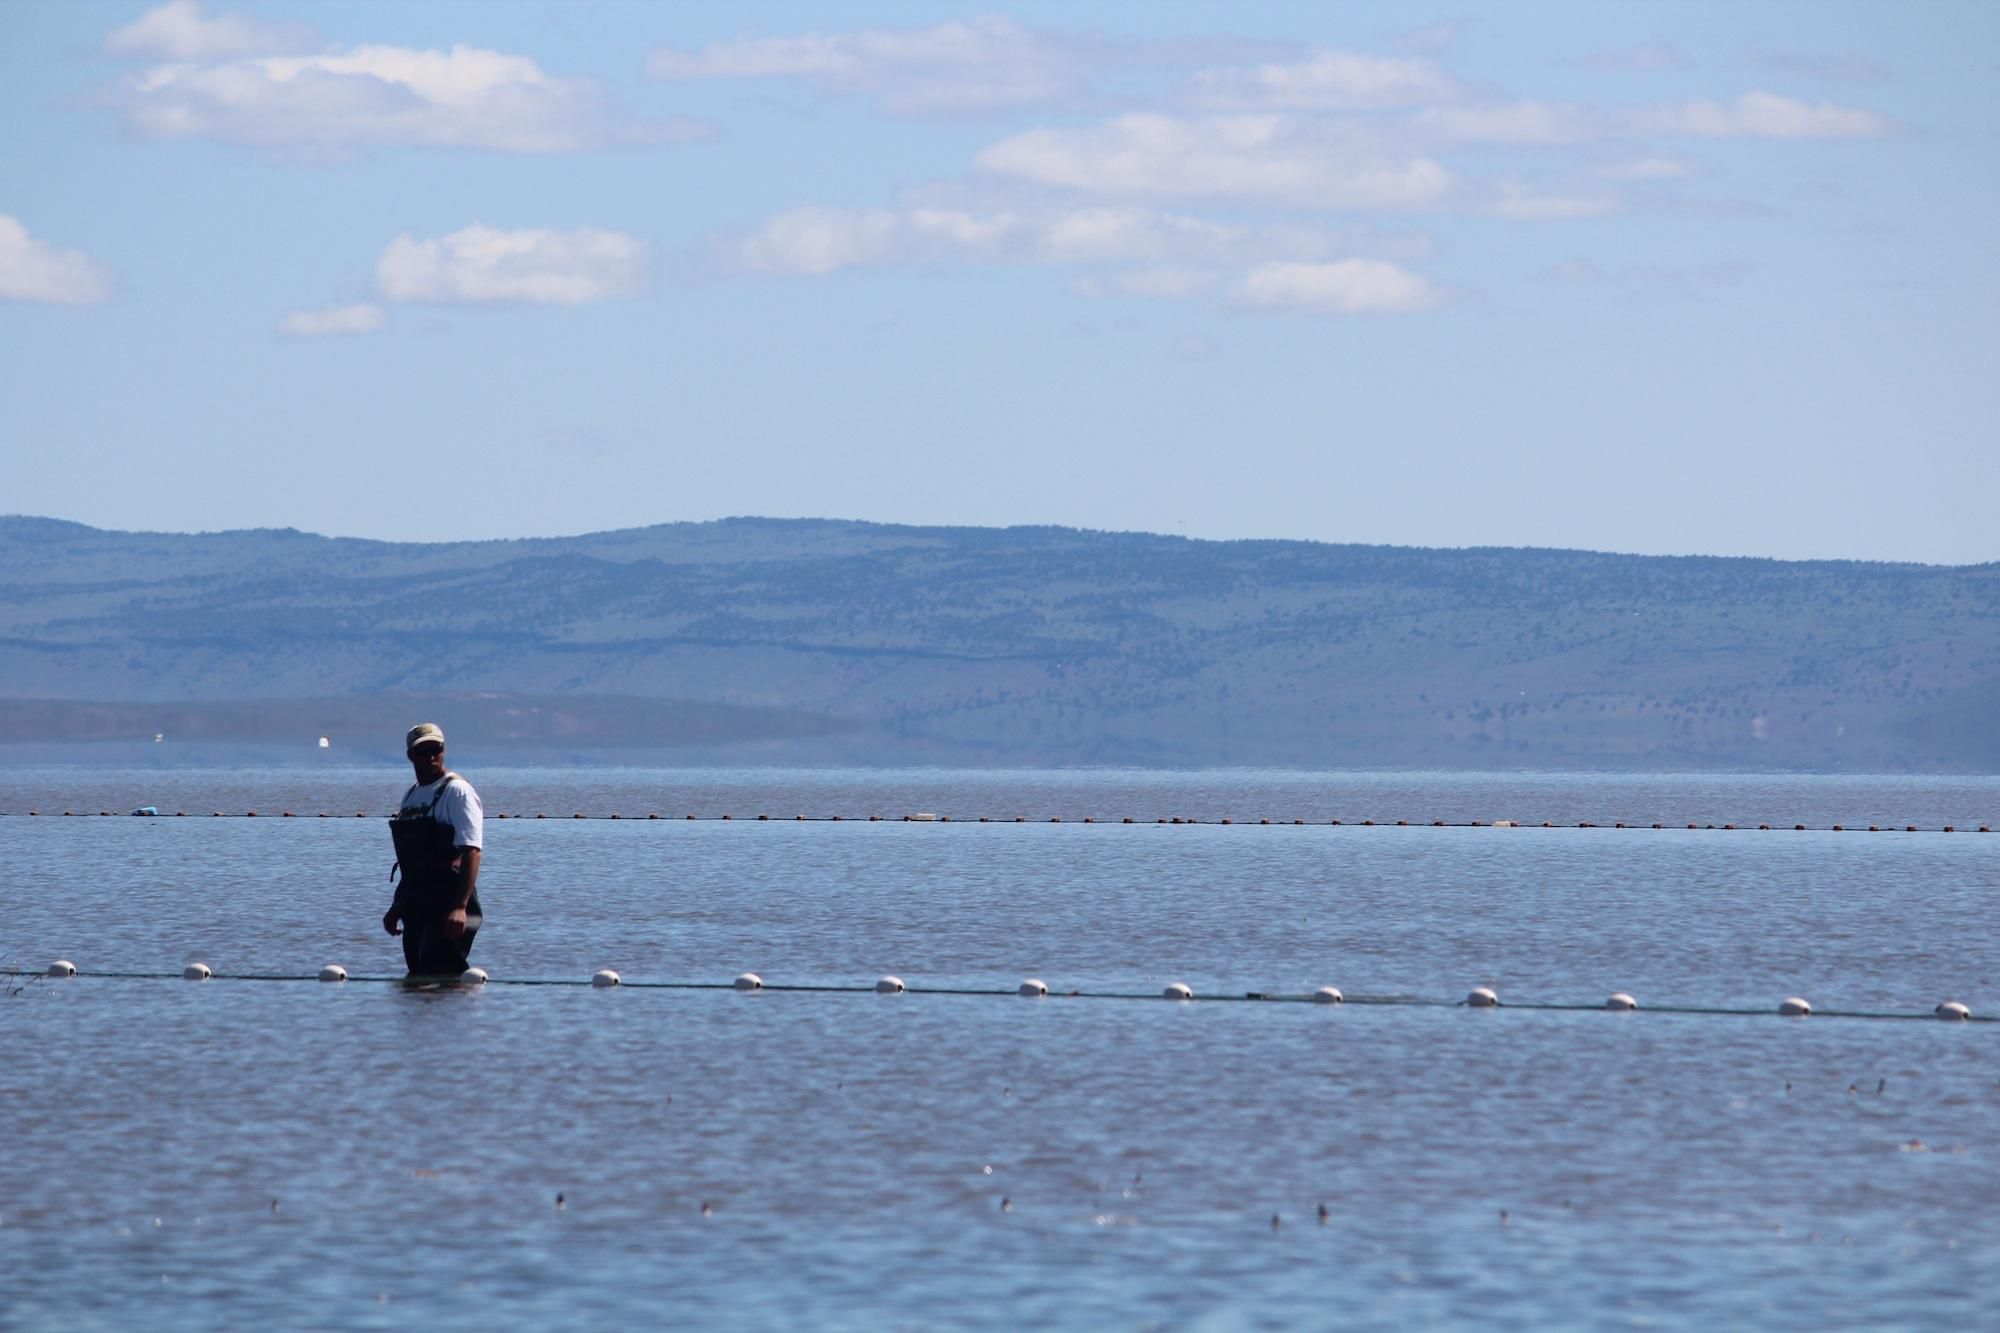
(1041, 644)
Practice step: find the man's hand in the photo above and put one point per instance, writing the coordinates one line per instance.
(392, 921)
(454, 923)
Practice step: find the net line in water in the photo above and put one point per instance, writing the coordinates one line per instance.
(926, 817)
(1033, 988)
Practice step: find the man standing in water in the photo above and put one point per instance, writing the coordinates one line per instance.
(438, 833)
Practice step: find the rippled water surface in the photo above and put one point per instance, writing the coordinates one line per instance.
(242, 1152)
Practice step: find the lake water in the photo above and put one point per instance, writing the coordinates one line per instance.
(238, 1153)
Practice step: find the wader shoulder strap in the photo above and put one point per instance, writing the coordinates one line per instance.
(397, 833)
(438, 795)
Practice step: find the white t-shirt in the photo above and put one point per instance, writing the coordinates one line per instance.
(458, 806)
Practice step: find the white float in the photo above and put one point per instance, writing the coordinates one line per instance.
(1033, 987)
(604, 976)
(890, 986)
(333, 972)
(473, 976)
(1329, 995)
(196, 972)
(1794, 1007)
(1483, 997)
(749, 981)
(61, 967)
(1179, 990)
(1503, 823)
(1954, 1009)
(1620, 1000)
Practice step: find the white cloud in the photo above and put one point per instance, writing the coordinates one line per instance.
(1753, 115)
(1764, 115)
(1346, 287)
(1518, 203)
(1275, 159)
(363, 318)
(1522, 122)
(536, 266)
(1648, 169)
(1122, 234)
(821, 240)
(1132, 252)
(1326, 81)
(816, 240)
(808, 241)
(969, 65)
(342, 99)
(32, 270)
(178, 30)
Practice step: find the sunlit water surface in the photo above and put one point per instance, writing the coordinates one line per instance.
(242, 1153)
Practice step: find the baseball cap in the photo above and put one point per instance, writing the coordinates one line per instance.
(423, 731)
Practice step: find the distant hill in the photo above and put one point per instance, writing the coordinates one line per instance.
(873, 643)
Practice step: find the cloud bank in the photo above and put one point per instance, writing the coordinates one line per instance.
(823, 240)
(1348, 287)
(180, 30)
(238, 82)
(972, 65)
(346, 319)
(1269, 158)
(1764, 115)
(1326, 81)
(533, 266)
(32, 270)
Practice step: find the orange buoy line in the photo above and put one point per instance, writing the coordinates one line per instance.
(929, 818)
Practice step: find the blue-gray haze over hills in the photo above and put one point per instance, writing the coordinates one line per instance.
(828, 640)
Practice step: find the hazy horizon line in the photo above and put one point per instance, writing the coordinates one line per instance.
(981, 527)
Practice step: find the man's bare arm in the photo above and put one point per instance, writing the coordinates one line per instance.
(468, 880)
(468, 875)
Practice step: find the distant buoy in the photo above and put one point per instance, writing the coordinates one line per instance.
(1329, 995)
(473, 976)
(604, 976)
(61, 967)
(890, 986)
(196, 972)
(1794, 1007)
(333, 972)
(1954, 1009)
(923, 817)
(1620, 1000)
(1503, 823)
(1179, 990)
(1483, 997)
(1033, 987)
(749, 981)
(324, 742)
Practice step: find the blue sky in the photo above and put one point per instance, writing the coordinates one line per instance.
(1664, 278)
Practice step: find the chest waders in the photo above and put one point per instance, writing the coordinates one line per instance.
(429, 890)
